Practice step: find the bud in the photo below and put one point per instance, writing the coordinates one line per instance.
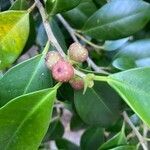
(77, 83)
(77, 52)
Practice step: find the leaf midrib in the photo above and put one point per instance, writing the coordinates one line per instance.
(114, 21)
(33, 75)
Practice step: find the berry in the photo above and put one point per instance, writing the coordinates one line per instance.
(52, 58)
(77, 52)
(77, 83)
(62, 71)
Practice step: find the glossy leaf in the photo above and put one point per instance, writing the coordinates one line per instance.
(25, 120)
(134, 87)
(107, 23)
(115, 44)
(94, 106)
(124, 63)
(125, 147)
(29, 76)
(117, 140)
(136, 50)
(14, 31)
(57, 6)
(92, 138)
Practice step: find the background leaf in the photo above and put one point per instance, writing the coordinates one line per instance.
(57, 6)
(80, 14)
(92, 138)
(94, 106)
(19, 5)
(107, 23)
(117, 140)
(25, 120)
(14, 31)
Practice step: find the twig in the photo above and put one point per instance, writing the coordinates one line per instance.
(51, 36)
(73, 35)
(145, 131)
(138, 135)
(32, 7)
(48, 29)
(67, 26)
(87, 41)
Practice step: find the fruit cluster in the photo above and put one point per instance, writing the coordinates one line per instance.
(63, 70)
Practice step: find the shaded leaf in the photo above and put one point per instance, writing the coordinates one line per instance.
(19, 5)
(66, 145)
(92, 138)
(55, 131)
(79, 15)
(57, 6)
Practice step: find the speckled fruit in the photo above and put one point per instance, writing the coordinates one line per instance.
(62, 71)
(77, 83)
(77, 52)
(52, 58)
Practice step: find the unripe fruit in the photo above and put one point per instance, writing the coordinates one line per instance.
(77, 83)
(52, 58)
(77, 52)
(62, 71)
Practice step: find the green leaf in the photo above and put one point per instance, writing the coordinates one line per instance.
(134, 87)
(56, 6)
(124, 63)
(136, 50)
(79, 15)
(115, 44)
(125, 147)
(118, 19)
(55, 131)
(14, 31)
(64, 144)
(94, 106)
(19, 5)
(25, 120)
(92, 138)
(29, 76)
(117, 140)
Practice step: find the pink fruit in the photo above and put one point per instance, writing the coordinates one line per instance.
(52, 58)
(77, 83)
(62, 71)
(77, 52)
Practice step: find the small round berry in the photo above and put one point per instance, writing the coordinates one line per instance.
(62, 71)
(77, 52)
(52, 58)
(77, 83)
